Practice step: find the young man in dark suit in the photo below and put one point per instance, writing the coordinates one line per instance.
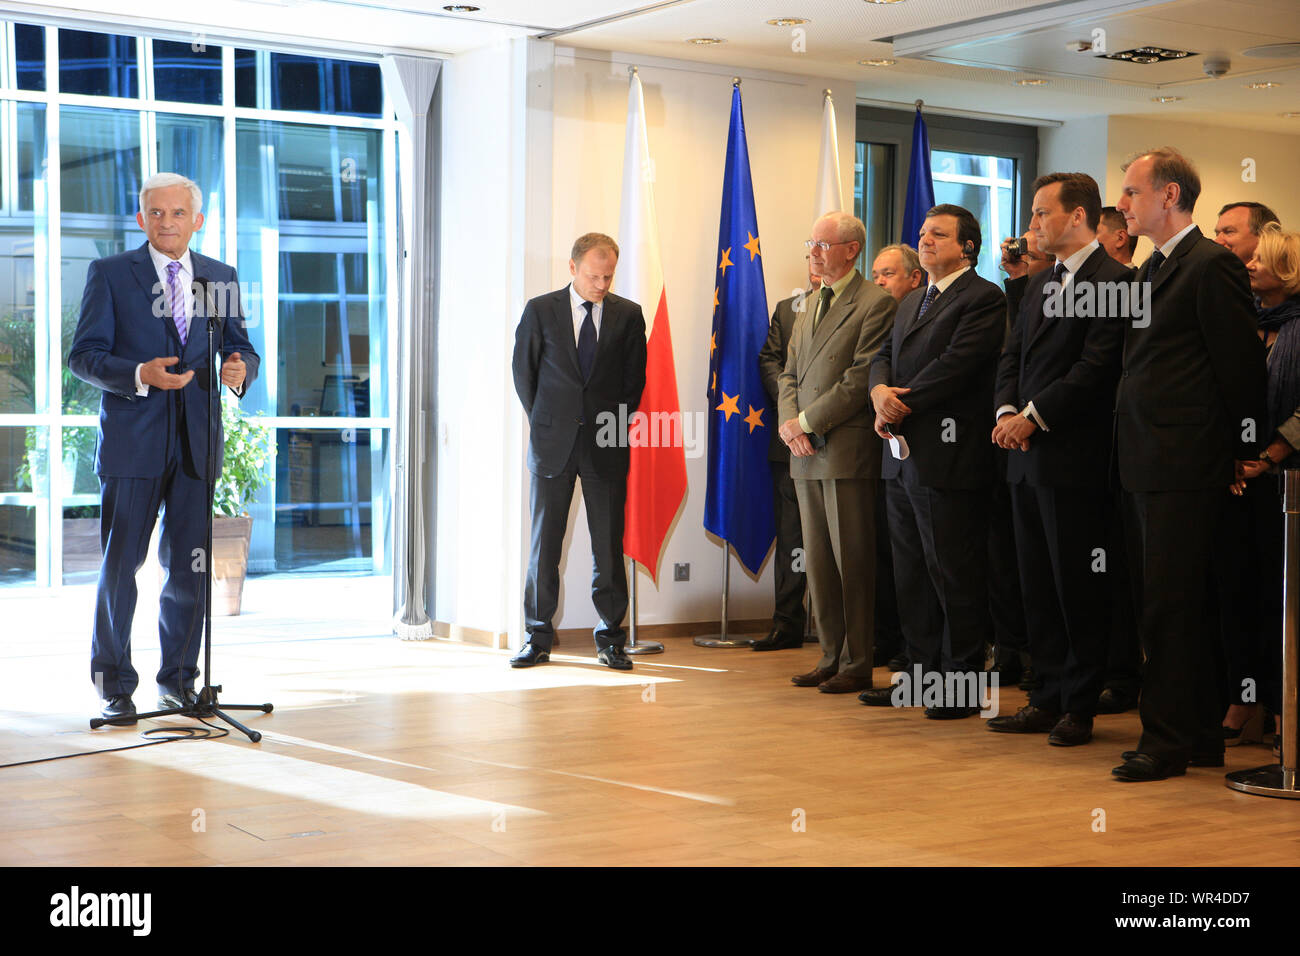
(1189, 409)
(579, 369)
(1055, 394)
(932, 386)
(142, 339)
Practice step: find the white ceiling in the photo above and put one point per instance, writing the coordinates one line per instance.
(972, 66)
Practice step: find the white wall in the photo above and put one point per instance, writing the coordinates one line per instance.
(687, 107)
(1078, 146)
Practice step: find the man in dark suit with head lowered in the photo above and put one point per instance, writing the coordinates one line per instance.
(141, 339)
(932, 387)
(1189, 409)
(579, 370)
(1054, 410)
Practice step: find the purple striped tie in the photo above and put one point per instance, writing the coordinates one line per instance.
(175, 302)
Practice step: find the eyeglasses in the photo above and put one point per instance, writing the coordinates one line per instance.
(825, 246)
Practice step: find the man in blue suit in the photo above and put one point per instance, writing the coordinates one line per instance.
(142, 339)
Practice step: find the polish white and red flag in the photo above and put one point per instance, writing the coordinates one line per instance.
(656, 481)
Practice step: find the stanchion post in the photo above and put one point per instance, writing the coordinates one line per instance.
(1279, 780)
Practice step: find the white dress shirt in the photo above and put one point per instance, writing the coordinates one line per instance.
(579, 305)
(184, 280)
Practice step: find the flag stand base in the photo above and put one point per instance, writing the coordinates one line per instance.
(633, 646)
(724, 639)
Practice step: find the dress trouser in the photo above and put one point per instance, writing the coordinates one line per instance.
(604, 499)
(1171, 535)
(839, 536)
(889, 633)
(1006, 605)
(129, 509)
(789, 615)
(940, 539)
(1064, 573)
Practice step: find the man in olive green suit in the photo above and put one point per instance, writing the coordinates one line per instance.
(828, 424)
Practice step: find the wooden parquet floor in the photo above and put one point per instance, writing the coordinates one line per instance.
(392, 753)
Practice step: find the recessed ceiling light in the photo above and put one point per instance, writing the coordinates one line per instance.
(786, 21)
(1262, 86)
(884, 1)
(1035, 82)
(1146, 54)
(705, 41)
(461, 8)
(1291, 115)
(1165, 99)
(877, 61)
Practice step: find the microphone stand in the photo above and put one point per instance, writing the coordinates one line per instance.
(205, 703)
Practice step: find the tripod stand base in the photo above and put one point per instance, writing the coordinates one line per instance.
(717, 640)
(205, 705)
(1268, 781)
(643, 647)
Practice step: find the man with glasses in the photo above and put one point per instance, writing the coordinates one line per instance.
(826, 420)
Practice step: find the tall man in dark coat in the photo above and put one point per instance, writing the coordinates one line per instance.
(580, 356)
(142, 339)
(1054, 409)
(1189, 409)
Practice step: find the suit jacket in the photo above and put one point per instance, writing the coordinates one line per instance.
(825, 377)
(948, 358)
(559, 403)
(771, 362)
(1068, 367)
(1193, 376)
(124, 322)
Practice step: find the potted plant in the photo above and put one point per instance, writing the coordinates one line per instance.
(248, 448)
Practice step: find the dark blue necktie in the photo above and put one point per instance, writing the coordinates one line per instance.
(1157, 260)
(587, 342)
(931, 294)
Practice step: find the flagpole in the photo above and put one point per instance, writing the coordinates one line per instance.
(722, 640)
(633, 646)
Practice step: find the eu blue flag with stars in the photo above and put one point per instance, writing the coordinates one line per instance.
(738, 502)
(920, 185)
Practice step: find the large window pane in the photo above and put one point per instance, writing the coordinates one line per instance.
(328, 484)
(22, 349)
(986, 186)
(97, 64)
(22, 478)
(187, 72)
(29, 56)
(192, 147)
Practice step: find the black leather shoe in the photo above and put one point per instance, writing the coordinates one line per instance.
(176, 698)
(1193, 760)
(878, 696)
(1112, 701)
(1029, 679)
(529, 655)
(119, 710)
(614, 657)
(1073, 730)
(777, 641)
(950, 713)
(1143, 767)
(1027, 720)
(899, 662)
(1009, 672)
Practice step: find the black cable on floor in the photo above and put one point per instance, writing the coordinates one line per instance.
(173, 734)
